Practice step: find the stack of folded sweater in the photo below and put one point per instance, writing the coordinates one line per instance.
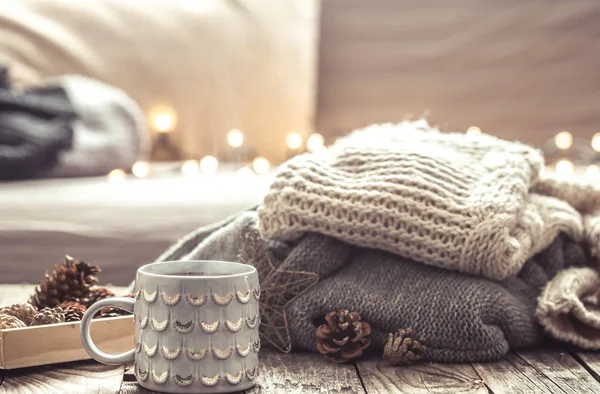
(462, 238)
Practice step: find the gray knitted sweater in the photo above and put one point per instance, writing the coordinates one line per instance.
(463, 318)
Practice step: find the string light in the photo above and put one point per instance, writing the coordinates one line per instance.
(163, 119)
(190, 168)
(116, 176)
(593, 172)
(315, 142)
(261, 165)
(209, 164)
(235, 138)
(564, 168)
(473, 130)
(245, 172)
(596, 142)
(141, 169)
(563, 140)
(294, 141)
(163, 123)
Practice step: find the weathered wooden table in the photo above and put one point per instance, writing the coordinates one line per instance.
(535, 371)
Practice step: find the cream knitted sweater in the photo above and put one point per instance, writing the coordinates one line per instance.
(455, 201)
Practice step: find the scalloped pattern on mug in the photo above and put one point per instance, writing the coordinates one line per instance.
(222, 300)
(244, 298)
(235, 379)
(210, 381)
(251, 322)
(170, 354)
(183, 328)
(234, 327)
(222, 354)
(256, 293)
(196, 301)
(160, 379)
(150, 350)
(144, 322)
(243, 351)
(209, 328)
(195, 355)
(251, 375)
(150, 297)
(159, 326)
(256, 345)
(138, 347)
(137, 294)
(183, 382)
(170, 300)
(141, 375)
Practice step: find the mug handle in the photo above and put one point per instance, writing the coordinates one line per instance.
(125, 303)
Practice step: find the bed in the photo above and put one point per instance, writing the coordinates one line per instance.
(117, 225)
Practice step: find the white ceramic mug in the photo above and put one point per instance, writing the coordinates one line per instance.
(196, 327)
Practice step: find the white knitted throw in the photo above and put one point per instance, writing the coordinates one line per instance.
(455, 201)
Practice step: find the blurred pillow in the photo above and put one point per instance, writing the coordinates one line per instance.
(211, 65)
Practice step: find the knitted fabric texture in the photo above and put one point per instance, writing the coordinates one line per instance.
(568, 307)
(455, 201)
(463, 318)
(584, 197)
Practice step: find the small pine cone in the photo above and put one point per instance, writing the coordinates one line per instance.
(9, 321)
(73, 310)
(344, 338)
(70, 281)
(98, 293)
(49, 316)
(403, 348)
(23, 312)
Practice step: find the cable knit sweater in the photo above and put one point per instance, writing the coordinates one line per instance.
(455, 201)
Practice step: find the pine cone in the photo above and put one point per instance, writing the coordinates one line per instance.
(98, 293)
(344, 337)
(403, 348)
(73, 310)
(70, 281)
(49, 316)
(9, 321)
(23, 312)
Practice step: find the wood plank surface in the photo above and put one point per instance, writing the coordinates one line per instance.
(537, 371)
(80, 377)
(591, 362)
(304, 373)
(298, 373)
(562, 369)
(379, 377)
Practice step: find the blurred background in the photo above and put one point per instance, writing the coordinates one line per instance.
(181, 110)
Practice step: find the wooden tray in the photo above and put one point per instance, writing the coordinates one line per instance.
(58, 343)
